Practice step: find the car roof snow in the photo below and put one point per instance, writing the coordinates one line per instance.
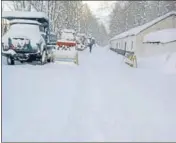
(38, 16)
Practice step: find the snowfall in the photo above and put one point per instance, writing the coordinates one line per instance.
(101, 99)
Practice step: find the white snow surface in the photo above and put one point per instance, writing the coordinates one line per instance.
(67, 36)
(138, 29)
(23, 14)
(170, 66)
(161, 36)
(69, 53)
(102, 99)
(64, 40)
(24, 21)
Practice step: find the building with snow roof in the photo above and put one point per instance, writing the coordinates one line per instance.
(160, 42)
(132, 40)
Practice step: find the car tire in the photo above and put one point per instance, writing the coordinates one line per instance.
(10, 61)
(49, 60)
(43, 57)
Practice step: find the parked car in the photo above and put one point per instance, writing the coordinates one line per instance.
(27, 38)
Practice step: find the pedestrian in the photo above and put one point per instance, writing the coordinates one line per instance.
(92, 42)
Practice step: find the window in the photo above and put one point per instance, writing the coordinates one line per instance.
(42, 29)
(53, 38)
(117, 45)
(132, 45)
(125, 46)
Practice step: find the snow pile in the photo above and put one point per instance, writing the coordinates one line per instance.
(170, 66)
(165, 63)
(161, 36)
(154, 62)
(69, 53)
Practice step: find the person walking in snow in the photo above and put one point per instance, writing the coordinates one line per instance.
(92, 42)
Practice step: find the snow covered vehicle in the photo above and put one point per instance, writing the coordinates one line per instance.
(52, 39)
(51, 45)
(66, 47)
(81, 41)
(27, 38)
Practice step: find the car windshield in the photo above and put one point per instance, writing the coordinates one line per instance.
(24, 26)
(53, 38)
(67, 35)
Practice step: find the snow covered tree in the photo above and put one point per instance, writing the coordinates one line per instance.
(135, 13)
(21, 5)
(65, 14)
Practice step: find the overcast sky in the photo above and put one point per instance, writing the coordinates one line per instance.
(101, 9)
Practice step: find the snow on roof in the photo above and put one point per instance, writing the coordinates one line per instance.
(23, 14)
(136, 30)
(161, 36)
(24, 21)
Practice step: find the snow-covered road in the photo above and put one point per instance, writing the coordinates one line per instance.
(99, 100)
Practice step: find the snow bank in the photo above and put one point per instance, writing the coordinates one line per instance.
(153, 62)
(170, 66)
(165, 63)
(161, 36)
(107, 46)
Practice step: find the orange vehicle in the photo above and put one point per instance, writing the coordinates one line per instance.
(66, 47)
(61, 43)
(67, 39)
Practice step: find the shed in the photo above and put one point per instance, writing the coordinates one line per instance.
(132, 40)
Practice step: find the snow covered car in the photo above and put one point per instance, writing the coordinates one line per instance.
(27, 37)
(52, 45)
(81, 41)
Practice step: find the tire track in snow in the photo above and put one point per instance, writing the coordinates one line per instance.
(82, 123)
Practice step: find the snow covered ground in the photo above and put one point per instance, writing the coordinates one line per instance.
(102, 99)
